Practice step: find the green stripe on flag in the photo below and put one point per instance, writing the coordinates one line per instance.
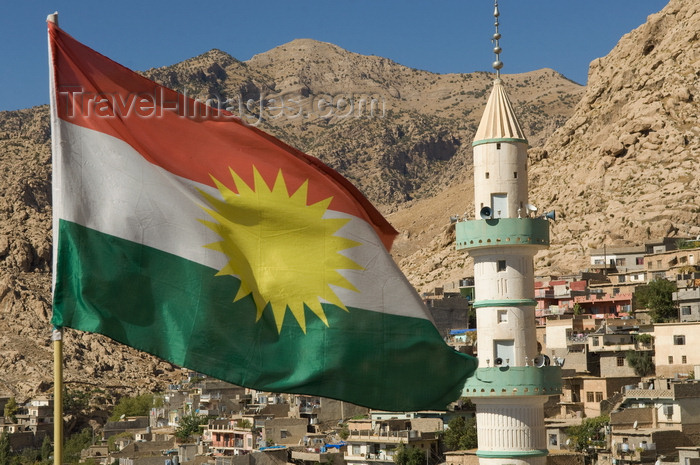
(180, 311)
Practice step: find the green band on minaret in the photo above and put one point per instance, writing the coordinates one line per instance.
(490, 141)
(511, 454)
(505, 303)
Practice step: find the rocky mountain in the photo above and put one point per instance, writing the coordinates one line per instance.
(616, 160)
(623, 169)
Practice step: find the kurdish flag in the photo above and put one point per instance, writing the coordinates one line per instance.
(184, 233)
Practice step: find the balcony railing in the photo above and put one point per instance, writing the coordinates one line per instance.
(577, 339)
(390, 436)
(640, 452)
(380, 457)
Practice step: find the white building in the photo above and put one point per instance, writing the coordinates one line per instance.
(512, 383)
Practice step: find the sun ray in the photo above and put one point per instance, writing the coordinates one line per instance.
(287, 256)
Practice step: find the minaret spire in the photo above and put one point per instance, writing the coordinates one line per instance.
(497, 64)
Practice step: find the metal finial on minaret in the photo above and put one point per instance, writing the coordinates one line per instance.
(498, 64)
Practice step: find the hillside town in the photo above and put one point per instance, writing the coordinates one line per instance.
(628, 368)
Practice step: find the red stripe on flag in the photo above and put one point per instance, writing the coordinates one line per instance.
(185, 137)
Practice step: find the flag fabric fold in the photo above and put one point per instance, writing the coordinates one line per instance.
(182, 232)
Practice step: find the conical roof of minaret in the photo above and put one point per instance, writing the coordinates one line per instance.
(499, 123)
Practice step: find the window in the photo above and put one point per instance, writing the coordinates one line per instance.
(503, 316)
(487, 175)
(620, 261)
(501, 265)
(622, 279)
(283, 434)
(684, 359)
(620, 361)
(498, 146)
(678, 340)
(515, 175)
(596, 341)
(589, 397)
(552, 439)
(685, 310)
(598, 396)
(355, 449)
(639, 261)
(670, 359)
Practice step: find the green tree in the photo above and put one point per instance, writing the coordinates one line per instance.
(588, 433)
(460, 434)
(132, 406)
(73, 445)
(29, 456)
(11, 409)
(75, 402)
(5, 449)
(640, 361)
(46, 448)
(244, 424)
(409, 456)
(189, 425)
(657, 296)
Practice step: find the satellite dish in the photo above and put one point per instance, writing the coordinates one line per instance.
(485, 213)
(568, 442)
(531, 208)
(635, 425)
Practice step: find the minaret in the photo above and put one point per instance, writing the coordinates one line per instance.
(513, 381)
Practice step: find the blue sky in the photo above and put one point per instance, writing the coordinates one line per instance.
(443, 36)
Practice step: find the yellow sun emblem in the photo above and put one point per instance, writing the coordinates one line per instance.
(285, 252)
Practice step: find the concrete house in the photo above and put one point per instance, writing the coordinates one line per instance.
(230, 437)
(374, 442)
(676, 355)
(655, 420)
(285, 431)
(609, 344)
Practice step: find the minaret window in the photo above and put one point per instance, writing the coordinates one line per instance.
(487, 175)
(503, 316)
(498, 146)
(515, 175)
(501, 265)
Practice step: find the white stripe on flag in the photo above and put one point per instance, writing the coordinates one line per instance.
(109, 187)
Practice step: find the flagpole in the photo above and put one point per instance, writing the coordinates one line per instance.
(57, 337)
(57, 333)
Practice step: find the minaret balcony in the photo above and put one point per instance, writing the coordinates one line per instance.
(499, 232)
(506, 381)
